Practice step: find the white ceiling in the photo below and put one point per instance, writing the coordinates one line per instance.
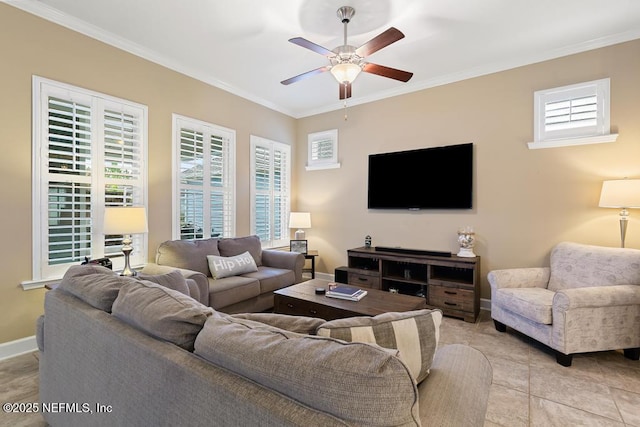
(241, 45)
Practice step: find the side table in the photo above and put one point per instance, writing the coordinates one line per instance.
(310, 255)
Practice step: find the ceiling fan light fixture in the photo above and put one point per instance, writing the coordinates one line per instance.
(345, 72)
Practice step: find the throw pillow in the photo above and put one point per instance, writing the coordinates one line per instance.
(221, 266)
(414, 334)
(172, 280)
(362, 384)
(237, 245)
(96, 285)
(161, 312)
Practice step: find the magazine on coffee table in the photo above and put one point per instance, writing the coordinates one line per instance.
(345, 292)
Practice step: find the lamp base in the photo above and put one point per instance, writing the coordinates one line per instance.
(300, 235)
(127, 249)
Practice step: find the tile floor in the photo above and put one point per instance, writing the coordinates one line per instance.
(529, 387)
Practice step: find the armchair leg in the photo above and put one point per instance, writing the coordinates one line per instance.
(501, 327)
(632, 353)
(564, 359)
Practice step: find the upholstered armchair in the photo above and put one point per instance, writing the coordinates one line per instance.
(587, 300)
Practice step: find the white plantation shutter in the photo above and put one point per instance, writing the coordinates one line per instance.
(322, 150)
(270, 191)
(576, 111)
(89, 152)
(206, 184)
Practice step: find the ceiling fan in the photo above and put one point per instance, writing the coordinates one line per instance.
(346, 61)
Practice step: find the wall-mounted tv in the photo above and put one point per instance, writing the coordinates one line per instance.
(426, 178)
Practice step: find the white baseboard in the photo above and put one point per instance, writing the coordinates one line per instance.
(18, 347)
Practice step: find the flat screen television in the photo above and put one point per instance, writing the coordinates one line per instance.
(426, 178)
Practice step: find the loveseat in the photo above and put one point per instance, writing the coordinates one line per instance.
(587, 300)
(119, 351)
(233, 275)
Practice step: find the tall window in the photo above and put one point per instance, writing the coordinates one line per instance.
(270, 191)
(205, 198)
(89, 151)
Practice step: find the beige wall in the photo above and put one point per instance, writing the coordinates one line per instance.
(28, 46)
(525, 200)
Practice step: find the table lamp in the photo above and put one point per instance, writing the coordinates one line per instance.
(126, 221)
(623, 194)
(300, 220)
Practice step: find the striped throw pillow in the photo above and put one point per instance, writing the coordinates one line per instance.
(414, 334)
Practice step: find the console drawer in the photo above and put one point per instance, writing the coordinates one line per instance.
(451, 298)
(363, 280)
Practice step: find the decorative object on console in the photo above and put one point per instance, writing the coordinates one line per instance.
(367, 241)
(125, 221)
(299, 246)
(623, 194)
(300, 220)
(466, 240)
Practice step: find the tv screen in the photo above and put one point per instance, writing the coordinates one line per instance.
(426, 178)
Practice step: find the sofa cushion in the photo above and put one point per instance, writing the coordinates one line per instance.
(161, 312)
(272, 279)
(360, 383)
(222, 266)
(237, 245)
(414, 333)
(172, 280)
(574, 265)
(96, 285)
(187, 254)
(533, 303)
(231, 290)
(299, 324)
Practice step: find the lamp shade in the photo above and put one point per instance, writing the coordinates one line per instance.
(299, 220)
(125, 220)
(345, 72)
(620, 193)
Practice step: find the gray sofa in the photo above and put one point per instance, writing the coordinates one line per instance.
(123, 352)
(248, 292)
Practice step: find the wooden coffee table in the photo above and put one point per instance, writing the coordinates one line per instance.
(302, 300)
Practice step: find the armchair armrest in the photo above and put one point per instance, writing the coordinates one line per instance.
(286, 260)
(200, 279)
(596, 296)
(534, 277)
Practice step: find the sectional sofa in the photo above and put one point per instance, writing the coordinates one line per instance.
(118, 351)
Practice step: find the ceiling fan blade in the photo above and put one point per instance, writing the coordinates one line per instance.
(384, 39)
(305, 75)
(312, 46)
(345, 90)
(383, 71)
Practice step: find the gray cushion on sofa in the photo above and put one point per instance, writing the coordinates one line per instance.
(238, 245)
(161, 312)
(96, 285)
(173, 280)
(299, 324)
(187, 254)
(361, 383)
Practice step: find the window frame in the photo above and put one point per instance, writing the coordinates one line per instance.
(285, 208)
(573, 135)
(180, 121)
(99, 103)
(318, 137)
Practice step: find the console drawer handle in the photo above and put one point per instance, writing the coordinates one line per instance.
(362, 279)
(313, 312)
(450, 293)
(289, 305)
(450, 303)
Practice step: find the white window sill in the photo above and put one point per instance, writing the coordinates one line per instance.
(321, 167)
(598, 139)
(28, 285)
